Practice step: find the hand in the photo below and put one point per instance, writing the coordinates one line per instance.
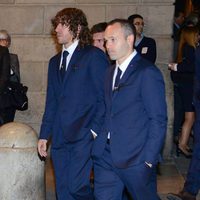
(42, 147)
(172, 66)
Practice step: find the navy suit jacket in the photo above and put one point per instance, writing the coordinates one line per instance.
(147, 49)
(71, 105)
(136, 115)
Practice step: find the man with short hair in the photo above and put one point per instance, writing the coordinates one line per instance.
(127, 148)
(179, 18)
(97, 32)
(146, 46)
(74, 92)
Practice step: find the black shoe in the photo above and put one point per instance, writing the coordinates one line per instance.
(179, 151)
(190, 150)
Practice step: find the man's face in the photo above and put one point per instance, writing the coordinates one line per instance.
(98, 40)
(64, 35)
(180, 19)
(4, 42)
(118, 46)
(139, 25)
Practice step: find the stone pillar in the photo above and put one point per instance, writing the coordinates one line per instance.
(21, 171)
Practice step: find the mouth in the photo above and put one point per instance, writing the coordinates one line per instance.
(58, 35)
(110, 52)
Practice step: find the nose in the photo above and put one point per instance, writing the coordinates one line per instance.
(57, 27)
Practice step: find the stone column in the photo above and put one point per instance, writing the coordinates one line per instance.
(21, 171)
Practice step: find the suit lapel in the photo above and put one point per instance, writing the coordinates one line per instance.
(72, 64)
(57, 64)
(110, 80)
(132, 67)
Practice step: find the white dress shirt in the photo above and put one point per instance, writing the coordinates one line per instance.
(70, 50)
(123, 66)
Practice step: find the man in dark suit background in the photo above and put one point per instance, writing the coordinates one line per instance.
(146, 46)
(127, 148)
(75, 89)
(179, 18)
(5, 40)
(4, 78)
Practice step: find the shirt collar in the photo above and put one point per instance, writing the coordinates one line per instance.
(178, 26)
(137, 41)
(71, 48)
(126, 62)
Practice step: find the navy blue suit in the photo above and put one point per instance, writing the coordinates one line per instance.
(147, 49)
(70, 113)
(192, 184)
(136, 119)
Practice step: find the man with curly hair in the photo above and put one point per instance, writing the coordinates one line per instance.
(74, 92)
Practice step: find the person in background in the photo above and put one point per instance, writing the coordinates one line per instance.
(72, 112)
(146, 46)
(128, 146)
(192, 183)
(5, 40)
(4, 78)
(97, 32)
(179, 18)
(182, 74)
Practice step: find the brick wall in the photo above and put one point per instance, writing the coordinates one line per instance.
(28, 21)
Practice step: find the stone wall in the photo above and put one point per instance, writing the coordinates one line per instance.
(28, 21)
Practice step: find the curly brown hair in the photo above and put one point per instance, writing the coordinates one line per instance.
(74, 18)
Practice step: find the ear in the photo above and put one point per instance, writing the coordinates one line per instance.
(130, 40)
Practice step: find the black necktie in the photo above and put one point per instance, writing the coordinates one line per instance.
(117, 79)
(63, 65)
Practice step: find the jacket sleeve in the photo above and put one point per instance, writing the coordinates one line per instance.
(50, 107)
(153, 95)
(101, 64)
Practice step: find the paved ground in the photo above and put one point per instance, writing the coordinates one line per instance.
(170, 179)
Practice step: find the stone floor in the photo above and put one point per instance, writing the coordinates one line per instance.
(170, 179)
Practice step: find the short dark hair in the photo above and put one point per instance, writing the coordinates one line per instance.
(74, 17)
(132, 17)
(97, 28)
(129, 28)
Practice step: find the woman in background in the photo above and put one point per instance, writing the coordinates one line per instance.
(182, 74)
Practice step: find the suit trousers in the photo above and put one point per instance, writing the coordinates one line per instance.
(110, 181)
(72, 166)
